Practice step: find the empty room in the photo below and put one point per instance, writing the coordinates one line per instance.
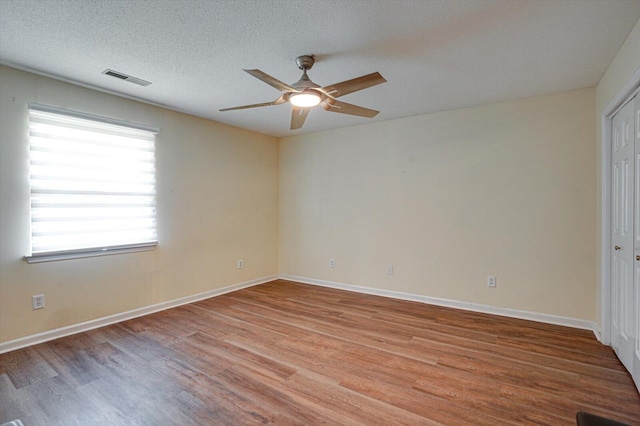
(343, 212)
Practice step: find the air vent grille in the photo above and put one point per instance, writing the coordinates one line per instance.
(125, 77)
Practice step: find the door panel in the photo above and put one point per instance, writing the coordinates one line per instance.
(635, 308)
(623, 264)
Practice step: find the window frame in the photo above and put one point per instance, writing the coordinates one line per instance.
(64, 254)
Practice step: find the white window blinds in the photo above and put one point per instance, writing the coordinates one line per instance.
(92, 184)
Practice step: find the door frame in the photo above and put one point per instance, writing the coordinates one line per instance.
(627, 89)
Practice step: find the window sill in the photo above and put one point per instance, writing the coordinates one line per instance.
(53, 257)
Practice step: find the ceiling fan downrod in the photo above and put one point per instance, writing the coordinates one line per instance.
(305, 62)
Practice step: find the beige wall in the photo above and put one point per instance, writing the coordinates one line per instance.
(217, 197)
(506, 189)
(626, 62)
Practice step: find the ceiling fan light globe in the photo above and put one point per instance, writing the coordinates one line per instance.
(304, 100)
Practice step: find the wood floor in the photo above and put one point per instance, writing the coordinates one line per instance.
(286, 353)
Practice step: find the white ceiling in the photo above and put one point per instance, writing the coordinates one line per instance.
(436, 54)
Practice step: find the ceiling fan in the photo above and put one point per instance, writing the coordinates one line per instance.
(305, 94)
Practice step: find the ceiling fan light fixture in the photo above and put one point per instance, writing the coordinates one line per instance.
(304, 100)
(304, 94)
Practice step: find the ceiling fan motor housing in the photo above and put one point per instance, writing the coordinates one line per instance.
(304, 82)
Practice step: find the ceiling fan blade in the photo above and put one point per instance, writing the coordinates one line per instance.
(271, 81)
(278, 101)
(298, 115)
(345, 108)
(353, 85)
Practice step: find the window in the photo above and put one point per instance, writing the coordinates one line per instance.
(92, 185)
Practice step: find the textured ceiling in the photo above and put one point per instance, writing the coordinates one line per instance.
(436, 54)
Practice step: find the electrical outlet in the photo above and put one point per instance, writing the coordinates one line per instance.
(390, 270)
(332, 263)
(37, 302)
(491, 281)
(240, 264)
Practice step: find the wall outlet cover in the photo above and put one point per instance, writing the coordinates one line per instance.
(37, 302)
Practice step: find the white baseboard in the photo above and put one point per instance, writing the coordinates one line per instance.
(112, 319)
(467, 306)
(34, 339)
(598, 333)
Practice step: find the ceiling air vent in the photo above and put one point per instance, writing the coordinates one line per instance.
(126, 77)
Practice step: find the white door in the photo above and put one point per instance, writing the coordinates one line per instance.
(623, 218)
(635, 371)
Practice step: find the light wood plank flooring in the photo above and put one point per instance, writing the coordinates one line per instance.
(287, 353)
